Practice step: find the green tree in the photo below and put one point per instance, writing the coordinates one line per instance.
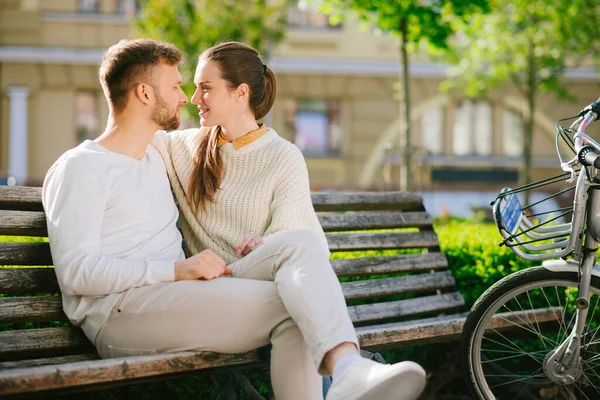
(194, 25)
(528, 44)
(418, 24)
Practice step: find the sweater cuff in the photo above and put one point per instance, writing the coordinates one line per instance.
(161, 271)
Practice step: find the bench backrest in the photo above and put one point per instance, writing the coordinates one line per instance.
(365, 232)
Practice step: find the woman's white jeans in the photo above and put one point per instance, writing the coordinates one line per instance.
(284, 293)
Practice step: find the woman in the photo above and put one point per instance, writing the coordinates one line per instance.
(244, 194)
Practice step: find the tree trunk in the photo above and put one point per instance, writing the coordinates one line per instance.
(406, 178)
(529, 121)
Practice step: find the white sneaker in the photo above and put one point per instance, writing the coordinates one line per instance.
(368, 380)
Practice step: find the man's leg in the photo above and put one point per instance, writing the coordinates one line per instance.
(225, 315)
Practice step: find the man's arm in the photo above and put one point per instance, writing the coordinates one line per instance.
(74, 197)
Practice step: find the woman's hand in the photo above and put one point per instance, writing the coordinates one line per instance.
(248, 243)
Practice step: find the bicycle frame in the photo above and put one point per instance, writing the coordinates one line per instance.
(562, 365)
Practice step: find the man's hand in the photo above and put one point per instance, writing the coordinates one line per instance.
(204, 265)
(248, 243)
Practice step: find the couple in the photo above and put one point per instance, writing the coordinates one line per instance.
(246, 212)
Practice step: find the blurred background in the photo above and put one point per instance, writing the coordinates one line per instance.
(451, 99)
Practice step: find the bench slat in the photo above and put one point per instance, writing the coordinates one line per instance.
(381, 241)
(368, 313)
(35, 343)
(22, 198)
(28, 280)
(49, 308)
(359, 290)
(118, 369)
(33, 223)
(31, 309)
(391, 264)
(23, 223)
(25, 253)
(43, 280)
(38, 362)
(30, 199)
(444, 328)
(39, 253)
(366, 201)
(374, 220)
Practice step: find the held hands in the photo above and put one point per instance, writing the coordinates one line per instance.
(204, 265)
(248, 243)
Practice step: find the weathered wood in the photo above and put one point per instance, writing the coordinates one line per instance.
(448, 327)
(358, 290)
(36, 343)
(381, 241)
(30, 199)
(31, 309)
(23, 223)
(25, 254)
(117, 369)
(377, 312)
(366, 201)
(386, 265)
(374, 220)
(21, 198)
(28, 280)
(38, 362)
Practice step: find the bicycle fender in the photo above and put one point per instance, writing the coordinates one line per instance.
(567, 266)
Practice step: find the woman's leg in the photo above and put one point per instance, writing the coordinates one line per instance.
(299, 265)
(225, 315)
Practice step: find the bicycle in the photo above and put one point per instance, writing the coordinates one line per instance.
(535, 334)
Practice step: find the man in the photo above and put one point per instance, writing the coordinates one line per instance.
(110, 213)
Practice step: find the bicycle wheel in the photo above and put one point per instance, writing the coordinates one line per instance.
(515, 324)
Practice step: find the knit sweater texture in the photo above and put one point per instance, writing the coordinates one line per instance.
(265, 190)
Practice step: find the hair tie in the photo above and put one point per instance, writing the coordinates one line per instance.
(264, 69)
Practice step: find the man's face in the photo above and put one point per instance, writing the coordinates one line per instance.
(169, 97)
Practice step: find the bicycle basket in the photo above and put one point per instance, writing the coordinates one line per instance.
(541, 230)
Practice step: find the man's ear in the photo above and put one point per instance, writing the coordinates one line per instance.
(242, 92)
(144, 93)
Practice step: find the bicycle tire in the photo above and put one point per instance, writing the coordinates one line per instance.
(533, 280)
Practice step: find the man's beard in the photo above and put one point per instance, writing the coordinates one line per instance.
(163, 117)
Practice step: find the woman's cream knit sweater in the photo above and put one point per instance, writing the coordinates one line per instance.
(265, 190)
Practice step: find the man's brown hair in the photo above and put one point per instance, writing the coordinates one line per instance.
(129, 63)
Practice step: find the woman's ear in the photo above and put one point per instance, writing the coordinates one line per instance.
(242, 93)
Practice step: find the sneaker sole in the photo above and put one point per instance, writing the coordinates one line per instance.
(406, 383)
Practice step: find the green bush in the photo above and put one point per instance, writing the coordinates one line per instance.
(474, 257)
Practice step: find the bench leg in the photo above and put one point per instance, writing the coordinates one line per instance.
(232, 382)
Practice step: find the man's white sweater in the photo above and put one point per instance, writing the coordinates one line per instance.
(265, 190)
(112, 227)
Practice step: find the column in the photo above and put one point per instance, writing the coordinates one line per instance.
(17, 133)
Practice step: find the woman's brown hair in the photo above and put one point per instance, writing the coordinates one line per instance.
(238, 64)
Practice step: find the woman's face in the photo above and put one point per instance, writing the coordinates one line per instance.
(217, 102)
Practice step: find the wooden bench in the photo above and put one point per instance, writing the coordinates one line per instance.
(418, 304)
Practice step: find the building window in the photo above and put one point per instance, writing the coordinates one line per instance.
(472, 132)
(86, 116)
(315, 126)
(512, 140)
(303, 16)
(129, 8)
(432, 130)
(88, 5)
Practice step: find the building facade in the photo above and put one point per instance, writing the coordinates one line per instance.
(337, 91)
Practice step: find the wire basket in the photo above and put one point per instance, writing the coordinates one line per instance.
(542, 229)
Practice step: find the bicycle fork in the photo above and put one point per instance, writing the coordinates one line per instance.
(563, 364)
